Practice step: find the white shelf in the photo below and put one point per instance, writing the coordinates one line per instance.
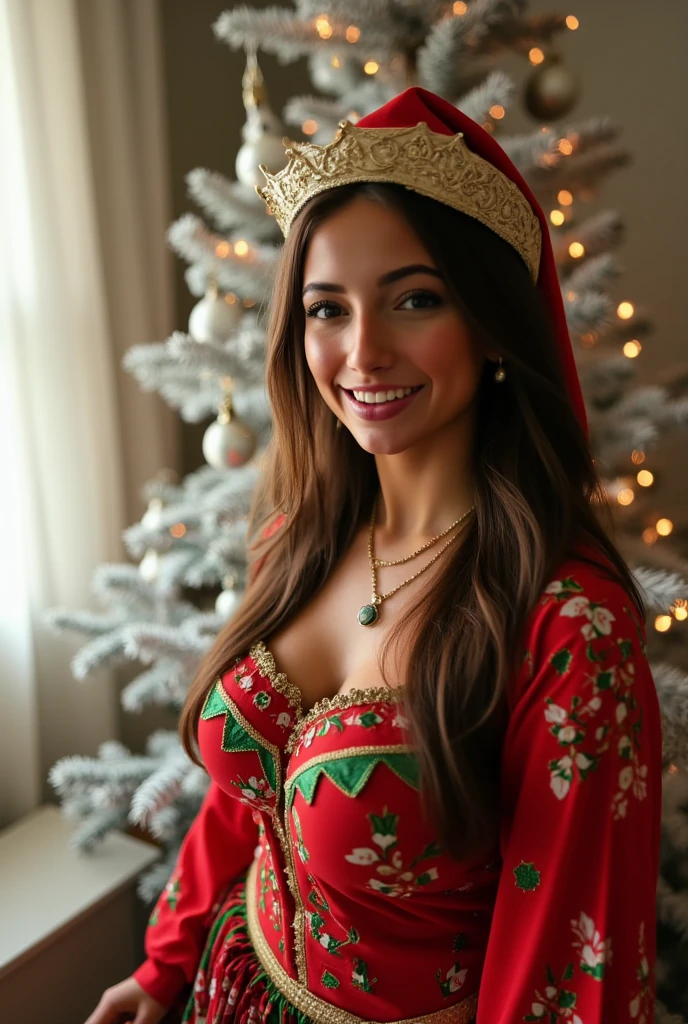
(45, 887)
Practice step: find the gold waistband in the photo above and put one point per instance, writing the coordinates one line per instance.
(319, 1010)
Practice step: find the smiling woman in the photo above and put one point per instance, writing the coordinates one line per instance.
(443, 805)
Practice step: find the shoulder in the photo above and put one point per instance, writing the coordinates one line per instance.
(584, 623)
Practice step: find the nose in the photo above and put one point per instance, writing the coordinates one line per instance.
(369, 347)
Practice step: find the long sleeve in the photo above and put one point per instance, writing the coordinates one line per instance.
(218, 846)
(572, 937)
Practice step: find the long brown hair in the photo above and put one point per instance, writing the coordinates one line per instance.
(537, 496)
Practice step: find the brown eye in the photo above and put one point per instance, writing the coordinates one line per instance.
(313, 310)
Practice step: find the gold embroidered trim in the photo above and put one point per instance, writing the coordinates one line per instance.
(433, 164)
(319, 1009)
(268, 667)
(341, 701)
(335, 755)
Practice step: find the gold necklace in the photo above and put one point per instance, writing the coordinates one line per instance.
(368, 613)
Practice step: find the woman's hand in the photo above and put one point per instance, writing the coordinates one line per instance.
(127, 1001)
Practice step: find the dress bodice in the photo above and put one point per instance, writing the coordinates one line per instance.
(349, 868)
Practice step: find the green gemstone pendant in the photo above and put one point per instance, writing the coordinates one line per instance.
(368, 614)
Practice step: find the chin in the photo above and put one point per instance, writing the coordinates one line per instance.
(381, 445)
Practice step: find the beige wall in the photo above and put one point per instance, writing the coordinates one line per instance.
(630, 56)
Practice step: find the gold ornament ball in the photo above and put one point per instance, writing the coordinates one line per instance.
(551, 91)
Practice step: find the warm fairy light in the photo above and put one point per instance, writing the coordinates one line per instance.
(557, 217)
(672, 769)
(572, 22)
(335, 62)
(565, 147)
(497, 111)
(645, 478)
(230, 298)
(576, 249)
(460, 8)
(178, 530)
(664, 527)
(535, 55)
(248, 303)
(650, 535)
(680, 613)
(309, 127)
(625, 496)
(323, 27)
(571, 295)
(663, 623)
(565, 198)
(488, 126)
(625, 310)
(371, 67)
(637, 457)
(353, 34)
(632, 349)
(588, 339)
(222, 249)
(241, 247)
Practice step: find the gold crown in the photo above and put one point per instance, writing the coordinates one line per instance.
(436, 165)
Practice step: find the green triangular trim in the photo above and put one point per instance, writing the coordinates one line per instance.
(350, 774)
(214, 704)
(235, 739)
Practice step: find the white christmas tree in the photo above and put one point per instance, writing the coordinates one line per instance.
(360, 55)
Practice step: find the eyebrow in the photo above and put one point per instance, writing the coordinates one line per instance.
(388, 278)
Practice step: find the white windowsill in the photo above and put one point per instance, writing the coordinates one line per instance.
(45, 888)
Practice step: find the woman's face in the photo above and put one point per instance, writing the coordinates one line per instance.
(378, 318)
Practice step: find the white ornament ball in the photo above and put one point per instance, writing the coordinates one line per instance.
(215, 317)
(266, 149)
(152, 517)
(149, 566)
(228, 445)
(227, 603)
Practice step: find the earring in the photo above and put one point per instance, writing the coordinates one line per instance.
(500, 373)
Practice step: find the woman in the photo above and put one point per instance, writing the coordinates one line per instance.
(452, 788)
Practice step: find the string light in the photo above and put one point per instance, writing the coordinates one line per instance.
(488, 126)
(557, 217)
(645, 478)
(353, 34)
(241, 247)
(625, 496)
(535, 55)
(632, 349)
(460, 8)
(663, 623)
(178, 530)
(576, 250)
(323, 27)
(497, 111)
(230, 298)
(625, 310)
(371, 67)
(564, 198)
(222, 249)
(248, 303)
(637, 457)
(664, 527)
(335, 62)
(565, 147)
(680, 613)
(309, 127)
(572, 22)
(650, 535)
(589, 339)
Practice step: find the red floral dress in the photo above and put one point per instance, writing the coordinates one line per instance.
(312, 888)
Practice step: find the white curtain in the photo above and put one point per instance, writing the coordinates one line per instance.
(84, 273)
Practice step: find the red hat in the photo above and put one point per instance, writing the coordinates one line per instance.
(415, 105)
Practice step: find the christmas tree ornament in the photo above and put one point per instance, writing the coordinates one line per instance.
(152, 517)
(216, 316)
(229, 442)
(149, 566)
(552, 90)
(262, 132)
(229, 599)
